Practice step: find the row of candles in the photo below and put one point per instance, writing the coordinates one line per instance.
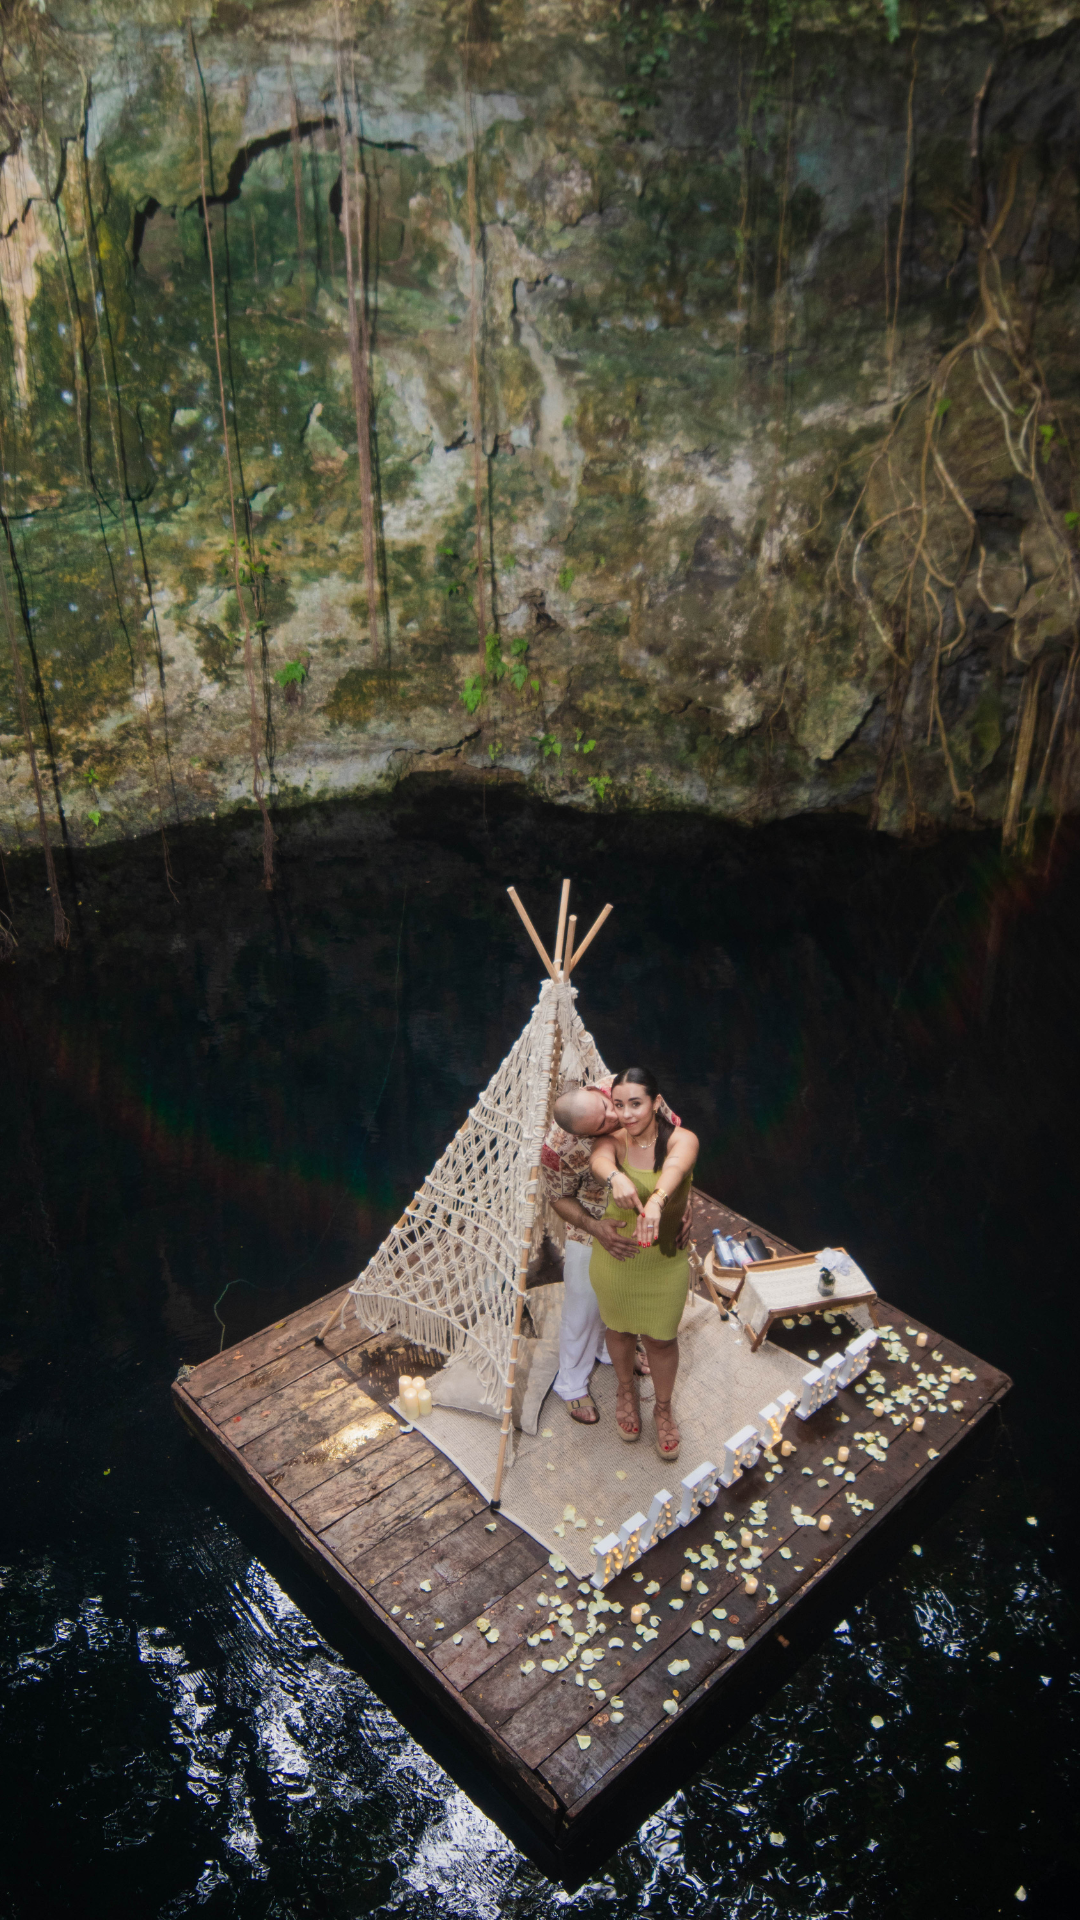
(700, 1488)
(414, 1397)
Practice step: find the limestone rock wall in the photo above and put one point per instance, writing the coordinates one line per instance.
(775, 325)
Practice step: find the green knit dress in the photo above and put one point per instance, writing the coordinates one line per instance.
(648, 1293)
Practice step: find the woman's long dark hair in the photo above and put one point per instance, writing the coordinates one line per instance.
(641, 1077)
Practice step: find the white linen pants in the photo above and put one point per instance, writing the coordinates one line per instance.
(581, 1334)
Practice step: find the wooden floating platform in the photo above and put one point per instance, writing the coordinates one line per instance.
(417, 1556)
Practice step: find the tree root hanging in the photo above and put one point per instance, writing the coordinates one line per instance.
(61, 923)
(203, 113)
(911, 550)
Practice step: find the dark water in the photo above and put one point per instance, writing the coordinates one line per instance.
(210, 1114)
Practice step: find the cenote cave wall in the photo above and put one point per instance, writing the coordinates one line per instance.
(661, 407)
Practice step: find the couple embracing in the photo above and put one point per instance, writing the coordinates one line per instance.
(617, 1168)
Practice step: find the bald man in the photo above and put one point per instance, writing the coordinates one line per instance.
(572, 1190)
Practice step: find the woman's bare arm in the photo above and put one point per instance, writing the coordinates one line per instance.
(604, 1161)
(679, 1160)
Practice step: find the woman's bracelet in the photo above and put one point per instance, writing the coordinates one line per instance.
(658, 1194)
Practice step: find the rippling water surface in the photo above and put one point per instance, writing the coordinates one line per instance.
(212, 1112)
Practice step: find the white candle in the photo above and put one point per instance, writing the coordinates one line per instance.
(750, 1583)
(408, 1402)
(922, 1339)
(423, 1402)
(843, 1454)
(825, 1523)
(687, 1581)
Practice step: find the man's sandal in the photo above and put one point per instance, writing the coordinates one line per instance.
(666, 1429)
(641, 1364)
(584, 1411)
(627, 1412)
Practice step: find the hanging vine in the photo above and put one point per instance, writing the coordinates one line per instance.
(61, 923)
(203, 115)
(353, 213)
(475, 303)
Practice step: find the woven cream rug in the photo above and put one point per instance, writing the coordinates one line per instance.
(721, 1386)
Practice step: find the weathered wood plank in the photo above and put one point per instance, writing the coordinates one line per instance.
(262, 1348)
(445, 1562)
(544, 1723)
(329, 1377)
(334, 1410)
(365, 1526)
(421, 1531)
(513, 1612)
(356, 1484)
(568, 1771)
(327, 1457)
(238, 1395)
(479, 1593)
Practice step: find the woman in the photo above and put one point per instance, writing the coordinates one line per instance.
(648, 1164)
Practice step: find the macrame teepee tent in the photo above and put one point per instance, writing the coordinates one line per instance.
(451, 1274)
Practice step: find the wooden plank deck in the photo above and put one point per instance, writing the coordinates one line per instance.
(417, 1556)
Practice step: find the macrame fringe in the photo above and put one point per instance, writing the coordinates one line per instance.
(446, 1277)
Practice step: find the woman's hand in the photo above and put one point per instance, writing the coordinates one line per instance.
(648, 1225)
(623, 1191)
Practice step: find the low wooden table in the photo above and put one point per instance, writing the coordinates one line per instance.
(780, 1289)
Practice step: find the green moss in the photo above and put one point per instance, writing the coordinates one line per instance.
(364, 692)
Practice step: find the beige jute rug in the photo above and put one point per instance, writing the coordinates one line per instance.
(721, 1386)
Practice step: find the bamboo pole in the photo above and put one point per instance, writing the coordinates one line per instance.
(522, 1285)
(564, 902)
(571, 936)
(532, 933)
(589, 938)
(320, 1337)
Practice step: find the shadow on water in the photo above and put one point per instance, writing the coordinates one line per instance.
(211, 1113)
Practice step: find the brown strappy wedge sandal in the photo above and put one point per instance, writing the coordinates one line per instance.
(666, 1428)
(624, 1411)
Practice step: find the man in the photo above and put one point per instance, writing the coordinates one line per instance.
(572, 1190)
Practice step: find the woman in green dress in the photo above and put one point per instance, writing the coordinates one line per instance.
(649, 1165)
